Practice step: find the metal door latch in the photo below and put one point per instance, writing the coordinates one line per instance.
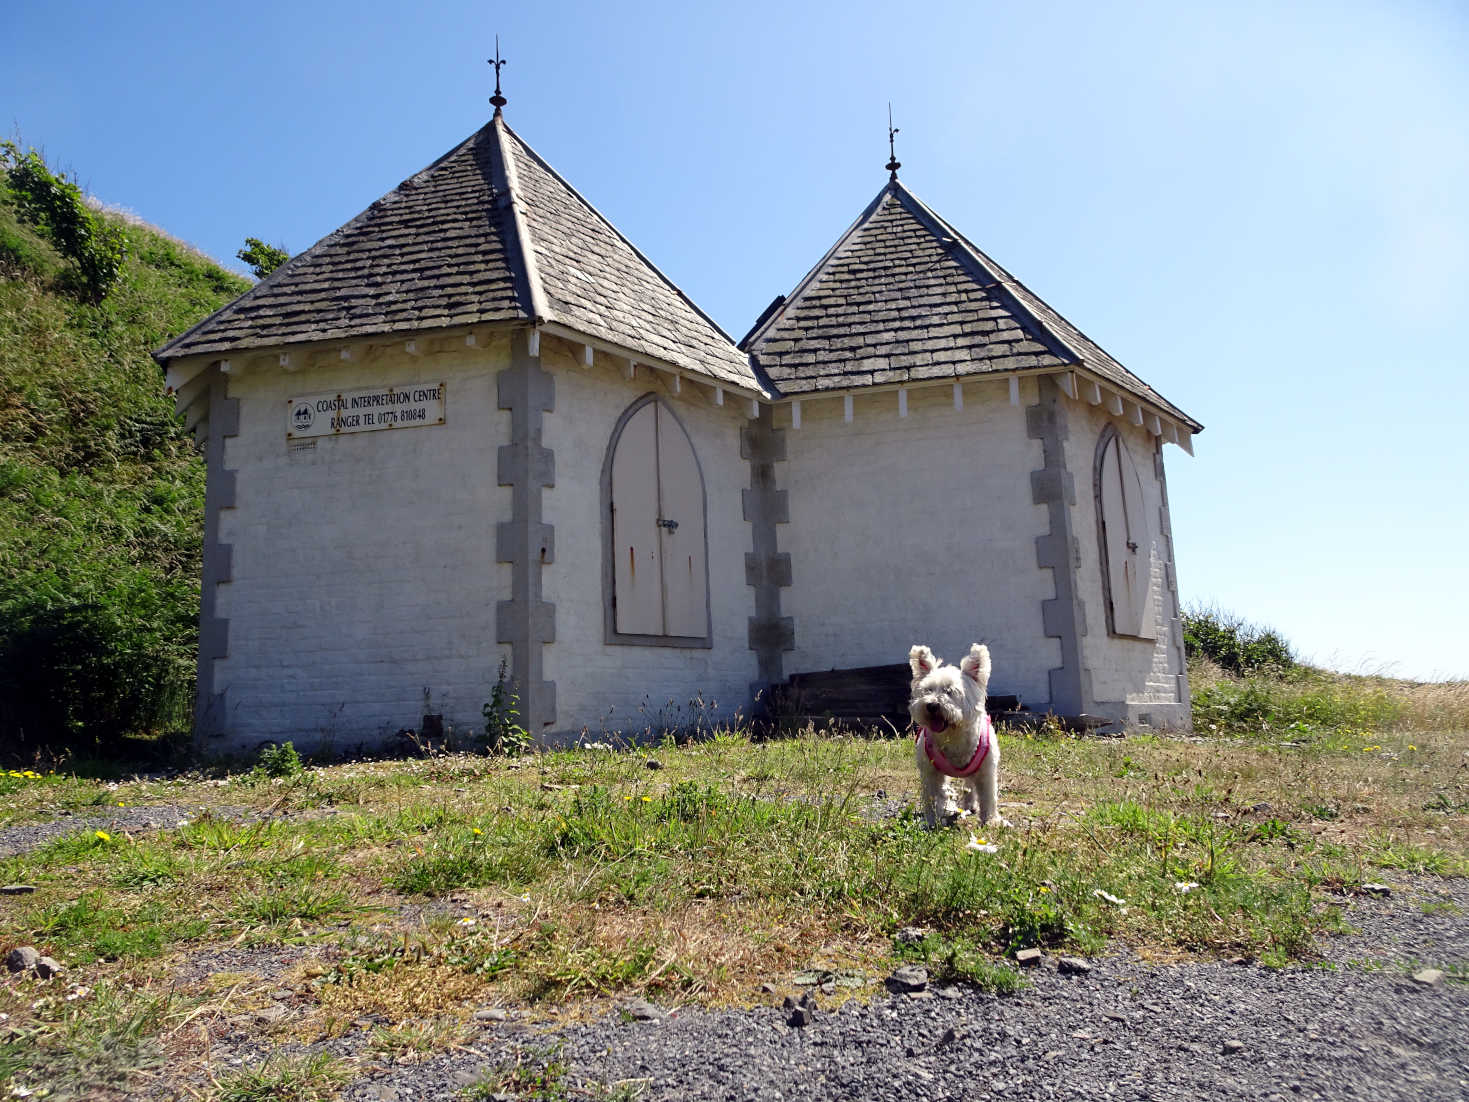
(671, 525)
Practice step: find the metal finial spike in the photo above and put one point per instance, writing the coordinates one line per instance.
(497, 99)
(893, 163)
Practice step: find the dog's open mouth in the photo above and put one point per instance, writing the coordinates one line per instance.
(934, 717)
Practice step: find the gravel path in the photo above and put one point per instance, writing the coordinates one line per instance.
(1357, 1028)
(24, 837)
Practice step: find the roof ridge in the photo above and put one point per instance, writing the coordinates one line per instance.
(1000, 277)
(617, 233)
(1016, 291)
(524, 249)
(234, 306)
(810, 277)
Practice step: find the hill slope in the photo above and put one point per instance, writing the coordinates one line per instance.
(101, 491)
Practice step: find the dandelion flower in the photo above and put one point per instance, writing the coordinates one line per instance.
(478, 831)
(647, 799)
(1043, 889)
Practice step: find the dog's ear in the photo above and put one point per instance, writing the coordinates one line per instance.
(921, 661)
(976, 663)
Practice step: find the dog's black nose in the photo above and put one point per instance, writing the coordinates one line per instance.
(933, 707)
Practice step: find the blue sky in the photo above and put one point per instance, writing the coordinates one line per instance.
(1260, 208)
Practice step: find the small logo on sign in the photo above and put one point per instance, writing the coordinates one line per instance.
(302, 416)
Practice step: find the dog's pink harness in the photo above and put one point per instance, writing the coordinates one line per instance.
(938, 761)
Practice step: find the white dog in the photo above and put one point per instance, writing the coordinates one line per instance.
(955, 736)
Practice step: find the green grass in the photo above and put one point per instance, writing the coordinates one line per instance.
(300, 1078)
(1308, 704)
(89, 1048)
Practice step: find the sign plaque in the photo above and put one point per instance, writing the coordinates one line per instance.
(389, 407)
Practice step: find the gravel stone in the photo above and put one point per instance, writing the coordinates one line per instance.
(47, 967)
(1230, 1047)
(22, 959)
(908, 978)
(1072, 966)
(640, 1010)
(1028, 958)
(1428, 977)
(1377, 889)
(17, 889)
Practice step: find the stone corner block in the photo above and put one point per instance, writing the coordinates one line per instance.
(773, 635)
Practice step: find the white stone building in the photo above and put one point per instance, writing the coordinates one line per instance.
(476, 424)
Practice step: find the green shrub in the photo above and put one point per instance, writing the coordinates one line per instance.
(262, 258)
(1232, 643)
(101, 489)
(54, 205)
(81, 675)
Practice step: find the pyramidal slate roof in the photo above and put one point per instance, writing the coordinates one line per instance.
(487, 233)
(903, 297)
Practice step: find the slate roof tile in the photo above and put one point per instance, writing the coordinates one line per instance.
(904, 288)
(444, 249)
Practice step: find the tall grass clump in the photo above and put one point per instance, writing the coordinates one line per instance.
(1304, 702)
(1245, 679)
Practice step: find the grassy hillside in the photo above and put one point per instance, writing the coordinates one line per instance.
(101, 491)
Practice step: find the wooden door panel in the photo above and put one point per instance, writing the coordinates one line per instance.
(637, 587)
(681, 533)
(1129, 545)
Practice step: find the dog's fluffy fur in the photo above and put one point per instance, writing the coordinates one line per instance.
(949, 701)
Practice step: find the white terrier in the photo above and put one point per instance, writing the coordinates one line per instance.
(955, 736)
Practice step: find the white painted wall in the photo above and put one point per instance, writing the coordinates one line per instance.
(629, 688)
(917, 530)
(364, 564)
(1141, 673)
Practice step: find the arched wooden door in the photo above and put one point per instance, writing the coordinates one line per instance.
(660, 574)
(1126, 540)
